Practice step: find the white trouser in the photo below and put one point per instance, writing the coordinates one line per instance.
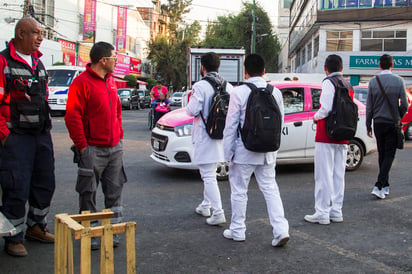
(330, 163)
(211, 193)
(239, 177)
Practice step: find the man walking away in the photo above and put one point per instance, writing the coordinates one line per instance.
(330, 154)
(378, 110)
(93, 119)
(244, 162)
(26, 153)
(207, 152)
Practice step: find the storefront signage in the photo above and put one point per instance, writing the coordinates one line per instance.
(372, 62)
(89, 21)
(69, 52)
(121, 29)
(123, 64)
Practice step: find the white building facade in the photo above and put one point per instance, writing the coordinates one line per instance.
(63, 20)
(360, 31)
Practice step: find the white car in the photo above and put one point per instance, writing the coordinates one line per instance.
(172, 146)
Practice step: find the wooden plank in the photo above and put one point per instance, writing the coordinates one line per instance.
(85, 251)
(58, 265)
(107, 258)
(70, 266)
(130, 248)
(92, 216)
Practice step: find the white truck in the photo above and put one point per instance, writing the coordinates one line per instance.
(60, 78)
(231, 64)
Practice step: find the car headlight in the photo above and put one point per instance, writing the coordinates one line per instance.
(183, 130)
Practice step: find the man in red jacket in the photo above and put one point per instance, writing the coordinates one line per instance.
(93, 118)
(330, 154)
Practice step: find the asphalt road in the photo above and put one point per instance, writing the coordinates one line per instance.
(375, 237)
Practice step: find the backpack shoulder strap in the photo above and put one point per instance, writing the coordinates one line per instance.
(251, 86)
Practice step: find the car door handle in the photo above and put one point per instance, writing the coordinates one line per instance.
(298, 124)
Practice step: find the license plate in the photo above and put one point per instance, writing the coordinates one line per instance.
(156, 145)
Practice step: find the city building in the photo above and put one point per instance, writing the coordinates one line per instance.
(360, 31)
(72, 26)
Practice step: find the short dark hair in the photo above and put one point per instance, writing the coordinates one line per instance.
(254, 65)
(159, 82)
(386, 61)
(100, 50)
(210, 61)
(333, 63)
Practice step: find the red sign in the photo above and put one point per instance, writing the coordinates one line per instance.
(121, 29)
(89, 21)
(135, 66)
(69, 52)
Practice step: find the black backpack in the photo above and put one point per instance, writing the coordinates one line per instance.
(216, 118)
(262, 128)
(342, 121)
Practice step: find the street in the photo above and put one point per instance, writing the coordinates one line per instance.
(375, 237)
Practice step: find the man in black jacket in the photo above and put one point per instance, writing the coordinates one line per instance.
(378, 109)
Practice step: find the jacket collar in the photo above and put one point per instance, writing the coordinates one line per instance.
(36, 55)
(94, 74)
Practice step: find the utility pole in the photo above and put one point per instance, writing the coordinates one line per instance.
(253, 28)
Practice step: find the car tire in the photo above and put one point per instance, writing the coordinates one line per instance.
(150, 120)
(355, 155)
(408, 132)
(222, 171)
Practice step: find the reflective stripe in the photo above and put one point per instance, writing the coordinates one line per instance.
(116, 220)
(29, 118)
(20, 72)
(17, 222)
(86, 169)
(9, 125)
(39, 212)
(1, 91)
(116, 209)
(31, 222)
(6, 70)
(42, 73)
(19, 228)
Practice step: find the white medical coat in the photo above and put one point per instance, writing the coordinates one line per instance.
(205, 149)
(234, 150)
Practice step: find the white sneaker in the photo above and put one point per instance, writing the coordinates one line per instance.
(315, 219)
(216, 219)
(204, 211)
(228, 235)
(336, 219)
(280, 241)
(378, 193)
(386, 190)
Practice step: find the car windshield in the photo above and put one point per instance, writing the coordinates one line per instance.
(361, 94)
(60, 78)
(124, 92)
(177, 94)
(140, 92)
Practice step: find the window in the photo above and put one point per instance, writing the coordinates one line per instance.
(286, 4)
(309, 51)
(393, 40)
(339, 41)
(44, 10)
(316, 46)
(292, 99)
(315, 98)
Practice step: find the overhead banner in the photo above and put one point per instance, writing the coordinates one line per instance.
(121, 29)
(84, 57)
(69, 52)
(89, 21)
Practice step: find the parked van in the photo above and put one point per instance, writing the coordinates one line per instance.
(60, 78)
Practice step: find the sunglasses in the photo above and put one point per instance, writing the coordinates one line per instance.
(114, 58)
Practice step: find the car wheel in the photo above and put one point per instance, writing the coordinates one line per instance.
(408, 132)
(355, 155)
(150, 120)
(222, 171)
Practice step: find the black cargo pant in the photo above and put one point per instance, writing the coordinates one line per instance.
(386, 140)
(105, 165)
(26, 174)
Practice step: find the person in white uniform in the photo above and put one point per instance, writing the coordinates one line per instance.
(207, 152)
(244, 162)
(330, 154)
